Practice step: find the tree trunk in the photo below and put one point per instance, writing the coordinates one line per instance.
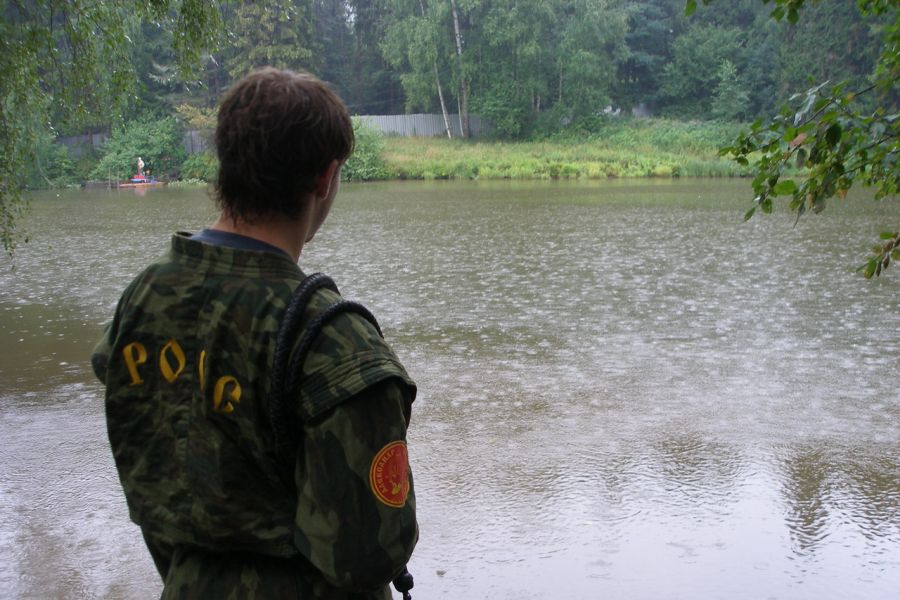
(443, 104)
(560, 85)
(214, 87)
(463, 80)
(437, 81)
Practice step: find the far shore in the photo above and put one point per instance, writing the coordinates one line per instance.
(626, 148)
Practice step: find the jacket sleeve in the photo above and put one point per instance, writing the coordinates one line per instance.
(100, 354)
(355, 518)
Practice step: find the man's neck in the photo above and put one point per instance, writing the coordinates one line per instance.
(287, 235)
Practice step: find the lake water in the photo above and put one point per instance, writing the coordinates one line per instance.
(626, 392)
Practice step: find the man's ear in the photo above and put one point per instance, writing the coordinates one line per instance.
(326, 179)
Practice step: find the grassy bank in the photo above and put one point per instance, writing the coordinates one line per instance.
(618, 148)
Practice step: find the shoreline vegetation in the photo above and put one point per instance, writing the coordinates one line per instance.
(658, 149)
(599, 148)
(624, 147)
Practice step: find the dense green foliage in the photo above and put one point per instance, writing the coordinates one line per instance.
(157, 142)
(367, 161)
(277, 33)
(526, 65)
(202, 166)
(730, 100)
(52, 165)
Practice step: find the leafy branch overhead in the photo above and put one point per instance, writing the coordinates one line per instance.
(832, 136)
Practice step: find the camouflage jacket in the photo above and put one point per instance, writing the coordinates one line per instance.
(186, 364)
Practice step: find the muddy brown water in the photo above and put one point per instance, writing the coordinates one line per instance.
(625, 390)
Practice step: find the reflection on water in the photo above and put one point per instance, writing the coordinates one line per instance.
(823, 486)
(625, 391)
(692, 469)
(807, 492)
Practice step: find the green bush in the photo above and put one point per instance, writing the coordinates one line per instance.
(367, 162)
(52, 167)
(550, 122)
(500, 107)
(159, 143)
(730, 100)
(203, 166)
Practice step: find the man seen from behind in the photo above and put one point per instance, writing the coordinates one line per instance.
(228, 506)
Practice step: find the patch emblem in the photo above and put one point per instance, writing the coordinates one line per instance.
(389, 474)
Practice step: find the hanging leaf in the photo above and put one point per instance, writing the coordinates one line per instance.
(869, 269)
(785, 187)
(833, 135)
(749, 215)
(798, 139)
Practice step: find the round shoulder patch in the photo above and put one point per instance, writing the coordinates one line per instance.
(389, 474)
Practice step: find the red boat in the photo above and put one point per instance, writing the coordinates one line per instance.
(141, 181)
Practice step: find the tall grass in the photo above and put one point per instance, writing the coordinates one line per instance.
(617, 148)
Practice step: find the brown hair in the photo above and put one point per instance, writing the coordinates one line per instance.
(276, 132)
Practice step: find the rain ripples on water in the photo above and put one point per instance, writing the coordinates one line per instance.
(625, 391)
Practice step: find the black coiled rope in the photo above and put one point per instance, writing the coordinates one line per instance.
(287, 333)
(284, 380)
